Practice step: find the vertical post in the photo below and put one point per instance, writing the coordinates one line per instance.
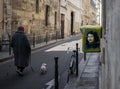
(9, 45)
(0, 43)
(46, 37)
(56, 73)
(84, 56)
(76, 59)
(104, 16)
(56, 36)
(33, 39)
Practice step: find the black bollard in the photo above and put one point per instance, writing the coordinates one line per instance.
(56, 36)
(56, 73)
(46, 38)
(9, 45)
(84, 56)
(33, 39)
(76, 59)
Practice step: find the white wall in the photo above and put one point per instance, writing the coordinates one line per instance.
(75, 6)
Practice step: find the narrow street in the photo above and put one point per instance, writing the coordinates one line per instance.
(53, 27)
(33, 79)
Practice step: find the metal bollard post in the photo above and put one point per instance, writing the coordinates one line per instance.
(56, 73)
(9, 45)
(84, 56)
(56, 36)
(46, 37)
(76, 59)
(33, 39)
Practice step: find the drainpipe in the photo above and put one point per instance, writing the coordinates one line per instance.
(104, 17)
(103, 76)
(58, 32)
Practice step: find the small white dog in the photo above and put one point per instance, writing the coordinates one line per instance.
(43, 68)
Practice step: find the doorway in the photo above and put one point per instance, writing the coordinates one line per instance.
(72, 22)
(62, 25)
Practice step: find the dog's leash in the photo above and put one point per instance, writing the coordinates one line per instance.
(31, 64)
(32, 67)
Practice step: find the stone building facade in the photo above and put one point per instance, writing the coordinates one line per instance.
(99, 11)
(64, 21)
(85, 16)
(89, 13)
(1, 17)
(71, 12)
(46, 19)
(74, 15)
(93, 13)
(110, 75)
(39, 17)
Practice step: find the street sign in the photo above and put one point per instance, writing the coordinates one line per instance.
(91, 38)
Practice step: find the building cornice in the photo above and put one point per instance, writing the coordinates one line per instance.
(71, 4)
(64, 7)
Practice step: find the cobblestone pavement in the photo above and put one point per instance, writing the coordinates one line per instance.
(88, 74)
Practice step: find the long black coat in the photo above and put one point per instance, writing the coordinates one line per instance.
(21, 49)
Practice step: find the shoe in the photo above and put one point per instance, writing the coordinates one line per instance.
(19, 72)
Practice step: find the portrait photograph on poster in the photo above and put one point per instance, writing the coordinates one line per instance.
(91, 38)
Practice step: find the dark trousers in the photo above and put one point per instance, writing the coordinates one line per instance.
(20, 68)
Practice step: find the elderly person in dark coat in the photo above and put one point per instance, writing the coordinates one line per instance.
(21, 49)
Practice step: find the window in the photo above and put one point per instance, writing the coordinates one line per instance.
(37, 6)
(55, 19)
(92, 3)
(47, 15)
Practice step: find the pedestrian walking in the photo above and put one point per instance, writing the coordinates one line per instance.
(21, 50)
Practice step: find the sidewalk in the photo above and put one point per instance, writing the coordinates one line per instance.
(88, 74)
(4, 55)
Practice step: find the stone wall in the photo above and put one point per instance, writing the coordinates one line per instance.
(77, 15)
(33, 17)
(111, 39)
(89, 14)
(1, 17)
(25, 14)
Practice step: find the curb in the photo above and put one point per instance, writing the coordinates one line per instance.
(6, 58)
(74, 83)
(89, 59)
(33, 49)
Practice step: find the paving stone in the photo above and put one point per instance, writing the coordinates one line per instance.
(89, 78)
(86, 74)
(91, 70)
(86, 87)
(88, 81)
